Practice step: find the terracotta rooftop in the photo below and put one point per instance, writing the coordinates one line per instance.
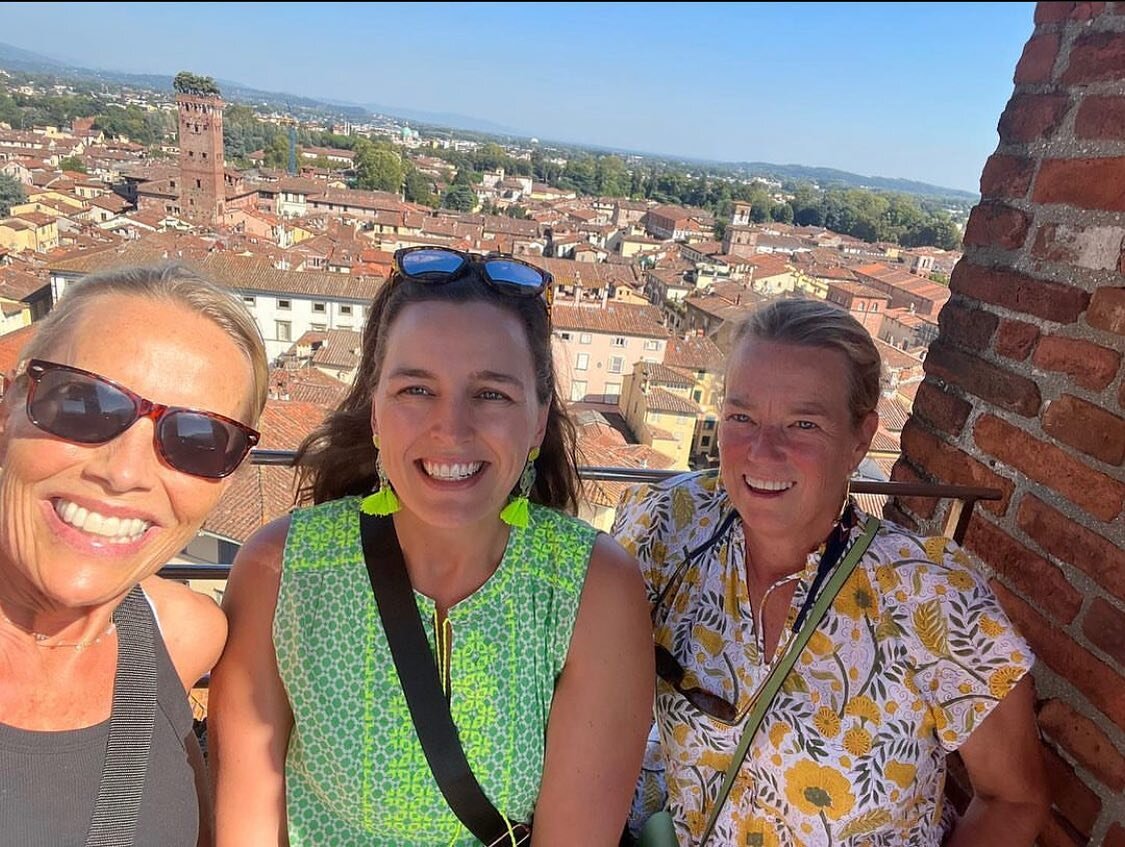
(614, 319)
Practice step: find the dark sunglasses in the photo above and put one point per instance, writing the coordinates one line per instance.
(81, 406)
(668, 666)
(438, 265)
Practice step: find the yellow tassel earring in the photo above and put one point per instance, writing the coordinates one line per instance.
(518, 510)
(383, 501)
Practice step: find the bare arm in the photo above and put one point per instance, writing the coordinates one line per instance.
(248, 713)
(1005, 765)
(601, 710)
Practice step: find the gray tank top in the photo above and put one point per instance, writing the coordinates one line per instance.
(49, 780)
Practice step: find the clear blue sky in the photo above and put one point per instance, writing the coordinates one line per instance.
(908, 90)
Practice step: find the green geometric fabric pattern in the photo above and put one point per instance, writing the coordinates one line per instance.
(355, 771)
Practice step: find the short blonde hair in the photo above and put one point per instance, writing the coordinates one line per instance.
(815, 323)
(169, 281)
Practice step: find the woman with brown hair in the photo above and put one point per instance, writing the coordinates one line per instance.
(533, 624)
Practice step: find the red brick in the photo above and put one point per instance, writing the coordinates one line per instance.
(941, 409)
(949, 464)
(1092, 677)
(997, 225)
(1090, 365)
(997, 385)
(893, 511)
(1095, 492)
(1086, 11)
(1078, 804)
(1096, 57)
(1104, 625)
(1085, 742)
(1030, 117)
(1101, 119)
(1051, 301)
(1038, 59)
(1107, 310)
(1006, 176)
(1116, 835)
(1069, 541)
(1095, 247)
(1016, 339)
(924, 507)
(1082, 183)
(1052, 12)
(1031, 574)
(967, 327)
(1087, 427)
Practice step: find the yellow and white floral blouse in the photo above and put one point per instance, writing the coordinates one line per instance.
(913, 654)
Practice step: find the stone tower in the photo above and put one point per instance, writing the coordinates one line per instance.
(201, 154)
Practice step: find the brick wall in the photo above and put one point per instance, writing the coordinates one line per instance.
(1024, 392)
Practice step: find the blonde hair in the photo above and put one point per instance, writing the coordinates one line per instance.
(815, 323)
(170, 281)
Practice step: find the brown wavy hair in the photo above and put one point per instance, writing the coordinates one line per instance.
(338, 458)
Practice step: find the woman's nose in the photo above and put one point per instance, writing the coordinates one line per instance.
(127, 462)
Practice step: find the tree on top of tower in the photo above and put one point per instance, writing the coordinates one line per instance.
(189, 83)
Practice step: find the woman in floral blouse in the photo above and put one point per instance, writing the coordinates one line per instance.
(915, 658)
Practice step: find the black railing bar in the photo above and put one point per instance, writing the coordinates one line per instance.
(611, 474)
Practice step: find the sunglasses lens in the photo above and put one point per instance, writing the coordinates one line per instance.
(201, 445)
(517, 277)
(79, 408)
(422, 263)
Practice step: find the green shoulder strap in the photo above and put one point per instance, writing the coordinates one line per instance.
(781, 670)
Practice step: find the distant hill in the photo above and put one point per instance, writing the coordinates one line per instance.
(825, 177)
(17, 59)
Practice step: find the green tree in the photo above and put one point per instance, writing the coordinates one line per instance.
(186, 82)
(11, 194)
(72, 163)
(610, 177)
(378, 168)
(782, 213)
(460, 198)
(419, 188)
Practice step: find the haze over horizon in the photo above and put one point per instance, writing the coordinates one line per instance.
(893, 90)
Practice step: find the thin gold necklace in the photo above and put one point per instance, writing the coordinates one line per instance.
(40, 639)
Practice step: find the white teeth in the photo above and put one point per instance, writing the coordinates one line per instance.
(768, 484)
(117, 530)
(460, 470)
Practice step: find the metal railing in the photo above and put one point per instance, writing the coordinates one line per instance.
(956, 523)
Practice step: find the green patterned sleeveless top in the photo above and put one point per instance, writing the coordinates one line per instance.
(355, 773)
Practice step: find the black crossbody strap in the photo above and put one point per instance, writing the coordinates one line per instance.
(418, 674)
(117, 808)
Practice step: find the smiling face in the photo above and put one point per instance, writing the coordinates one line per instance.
(456, 411)
(82, 523)
(787, 442)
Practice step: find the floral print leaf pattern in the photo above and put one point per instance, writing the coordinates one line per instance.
(911, 657)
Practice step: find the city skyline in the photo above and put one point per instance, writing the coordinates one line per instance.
(909, 91)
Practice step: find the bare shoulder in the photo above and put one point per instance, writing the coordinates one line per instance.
(192, 625)
(262, 553)
(612, 566)
(613, 598)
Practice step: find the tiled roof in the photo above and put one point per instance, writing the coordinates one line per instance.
(241, 273)
(17, 284)
(341, 349)
(695, 353)
(307, 385)
(662, 375)
(660, 400)
(614, 319)
(12, 343)
(893, 413)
